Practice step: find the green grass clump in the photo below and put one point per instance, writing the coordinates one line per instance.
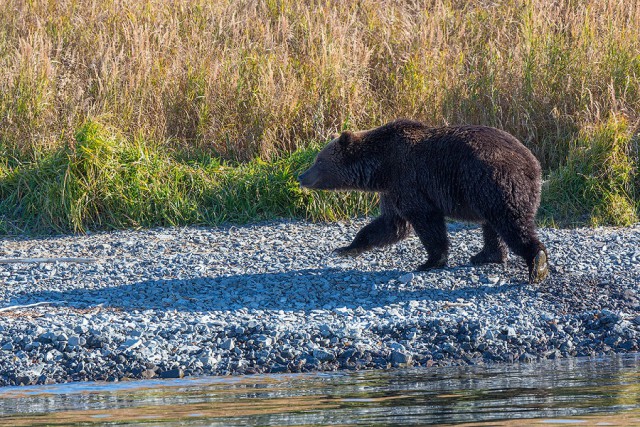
(100, 181)
(600, 183)
(259, 190)
(105, 181)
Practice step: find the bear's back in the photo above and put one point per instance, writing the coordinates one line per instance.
(453, 166)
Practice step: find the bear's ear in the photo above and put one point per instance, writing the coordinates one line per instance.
(345, 138)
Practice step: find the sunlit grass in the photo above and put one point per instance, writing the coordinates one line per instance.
(106, 181)
(600, 183)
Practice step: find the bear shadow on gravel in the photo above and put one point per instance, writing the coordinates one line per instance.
(300, 290)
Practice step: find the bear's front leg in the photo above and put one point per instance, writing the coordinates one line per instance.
(494, 249)
(382, 231)
(432, 231)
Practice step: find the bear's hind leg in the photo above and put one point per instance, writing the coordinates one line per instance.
(521, 237)
(382, 231)
(494, 250)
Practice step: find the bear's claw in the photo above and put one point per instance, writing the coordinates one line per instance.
(539, 268)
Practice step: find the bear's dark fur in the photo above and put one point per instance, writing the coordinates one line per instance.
(425, 174)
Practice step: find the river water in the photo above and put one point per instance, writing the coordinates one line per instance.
(603, 391)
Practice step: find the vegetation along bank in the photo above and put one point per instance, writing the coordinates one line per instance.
(130, 114)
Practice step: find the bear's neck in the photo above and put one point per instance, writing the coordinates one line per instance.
(374, 176)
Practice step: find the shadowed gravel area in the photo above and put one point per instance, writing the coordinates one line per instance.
(272, 298)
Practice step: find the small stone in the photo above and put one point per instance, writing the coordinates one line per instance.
(493, 279)
(397, 346)
(323, 355)
(209, 360)
(612, 340)
(25, 380)
(553, 354)
(172, 373)
(527, 358)
(265, 341)
(406, 278)
(75, 340)
(399, 358)
(47, 337)
(278, 368)
(547, 317)
(148, 374)
(44, 380)
(449, 348)
(227, 344)
(130, 344)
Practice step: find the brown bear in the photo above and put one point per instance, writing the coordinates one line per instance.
(425, 174)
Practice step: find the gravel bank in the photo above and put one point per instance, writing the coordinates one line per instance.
(272, 298)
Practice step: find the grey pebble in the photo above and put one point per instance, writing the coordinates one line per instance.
(406, 278)
(324, 355)
(399, 358)
(227, 344)
(172, 373)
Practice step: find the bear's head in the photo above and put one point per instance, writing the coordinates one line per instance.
(343, 164)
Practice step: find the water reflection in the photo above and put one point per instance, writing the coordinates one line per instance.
(550, 391)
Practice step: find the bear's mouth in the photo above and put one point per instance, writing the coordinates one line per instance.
(316, 179)
(315, 185)
(308, 179)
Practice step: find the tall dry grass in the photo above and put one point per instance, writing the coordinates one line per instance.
(253, 78)
(178, 81)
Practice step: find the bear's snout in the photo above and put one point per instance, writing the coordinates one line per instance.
(321, 177)
(305, 179)
(313, 178)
